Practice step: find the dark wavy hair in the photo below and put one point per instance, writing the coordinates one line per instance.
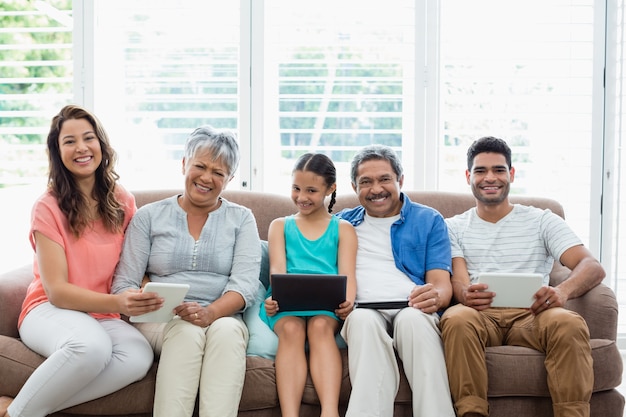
(72, 202)
(321, 165)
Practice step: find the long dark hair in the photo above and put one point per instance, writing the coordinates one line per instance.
(321, 165)
(72, 202)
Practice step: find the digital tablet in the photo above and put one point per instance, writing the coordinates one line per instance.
(174, 294)
(383, 305)
(515, 290)
(297, 292)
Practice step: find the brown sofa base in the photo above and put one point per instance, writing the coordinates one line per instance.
(258, 402)
(605, 403)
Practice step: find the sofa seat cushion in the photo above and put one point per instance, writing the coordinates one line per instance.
(259, 388)
(136, 398)
(404, 396)
(519, 371)
(17, 363)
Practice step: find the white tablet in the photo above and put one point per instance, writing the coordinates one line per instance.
(515, 290)
(174, 294)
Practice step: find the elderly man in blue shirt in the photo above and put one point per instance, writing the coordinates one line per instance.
(403, 254)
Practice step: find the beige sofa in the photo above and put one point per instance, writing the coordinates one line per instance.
(517, 378)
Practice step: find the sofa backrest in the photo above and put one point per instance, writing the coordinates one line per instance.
(450, 204)
(266, 206)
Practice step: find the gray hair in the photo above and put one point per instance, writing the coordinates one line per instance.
(375, 152)
(221, 143)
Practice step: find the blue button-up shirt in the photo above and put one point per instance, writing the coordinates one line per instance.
(419, 239)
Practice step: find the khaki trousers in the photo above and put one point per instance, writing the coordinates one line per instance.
(209, 361)
(561, 334)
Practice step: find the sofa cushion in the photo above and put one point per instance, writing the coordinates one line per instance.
(259, 388)
(17, 362)
(13, 285)
(519, 371)
(263, 341)
(264, 273)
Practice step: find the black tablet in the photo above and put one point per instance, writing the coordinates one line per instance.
(297, 292)
(383, 305)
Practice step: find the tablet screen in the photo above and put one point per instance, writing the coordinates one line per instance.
(514, 290)
(174, 294)
(299, 292)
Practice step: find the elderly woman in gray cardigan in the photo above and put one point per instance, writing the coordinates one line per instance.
(203, 240)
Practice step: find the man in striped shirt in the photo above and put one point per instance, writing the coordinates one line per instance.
(498, 236)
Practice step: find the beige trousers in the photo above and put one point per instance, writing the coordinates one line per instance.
(561, 334)
(371, 336)
(209, 361)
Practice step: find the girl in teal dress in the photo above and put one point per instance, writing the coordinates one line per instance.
(316, 242)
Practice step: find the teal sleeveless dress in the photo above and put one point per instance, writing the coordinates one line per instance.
(306, 256)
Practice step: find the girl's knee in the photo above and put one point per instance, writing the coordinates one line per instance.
(322, 326)
(291, 329)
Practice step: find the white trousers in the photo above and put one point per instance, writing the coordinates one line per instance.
(373, 367)
(86, 359)
(210, 361)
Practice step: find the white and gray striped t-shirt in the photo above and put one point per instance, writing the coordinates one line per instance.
(528, 239)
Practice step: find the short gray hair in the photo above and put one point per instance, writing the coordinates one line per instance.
(221, 143)
(375, 152)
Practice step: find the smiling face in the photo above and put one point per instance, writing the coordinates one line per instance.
(205, 179)
(79, 148)
(378, 188)
(490, 178)
(308, 191)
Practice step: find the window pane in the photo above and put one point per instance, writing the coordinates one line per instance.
(36, 72)
(35, 81)
(335, 81)
(164, 68)
(616, 128)
(522, 72)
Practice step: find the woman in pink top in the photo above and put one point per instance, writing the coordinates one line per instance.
(69, 315)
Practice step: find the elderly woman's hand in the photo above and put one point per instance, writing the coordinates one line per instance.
(194, 313)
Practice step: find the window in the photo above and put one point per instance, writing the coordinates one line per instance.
(527, 77)
(319, 81)
(36, 78)
(334, 82)
(615, 156)
(163, 68)
(35, 81)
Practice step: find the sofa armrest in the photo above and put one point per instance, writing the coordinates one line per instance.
(13, 285)
(598, 307)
